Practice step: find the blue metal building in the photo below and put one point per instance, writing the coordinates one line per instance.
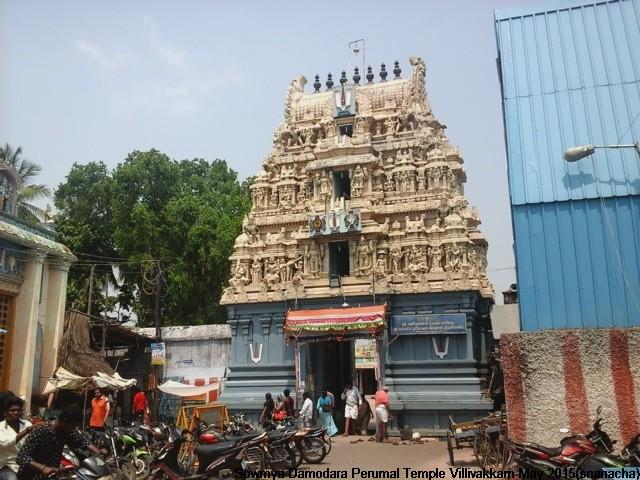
(570, 75)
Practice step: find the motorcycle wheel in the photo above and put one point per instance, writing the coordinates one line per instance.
(327, 443)
(313, 450)
(141, 468)
(128, 468)
(123, 473)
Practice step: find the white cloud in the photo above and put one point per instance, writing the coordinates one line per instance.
(104, 60)
(170, 55)
(176, 85)
(185, 96)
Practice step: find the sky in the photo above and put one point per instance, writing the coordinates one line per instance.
(92, 81)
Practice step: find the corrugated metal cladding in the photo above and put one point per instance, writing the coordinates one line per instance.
(570, 75)
(579, 263)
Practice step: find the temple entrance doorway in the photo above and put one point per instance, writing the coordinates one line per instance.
(332, 367)
(367, 382)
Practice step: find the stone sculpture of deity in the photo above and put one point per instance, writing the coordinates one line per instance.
(312, 255)
(358, 181)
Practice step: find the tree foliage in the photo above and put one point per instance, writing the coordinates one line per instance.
(29, 192)
(177, 219)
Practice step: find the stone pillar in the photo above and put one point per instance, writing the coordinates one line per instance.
(54, 319)
(26, 323)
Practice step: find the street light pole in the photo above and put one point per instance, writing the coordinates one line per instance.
(574, 154)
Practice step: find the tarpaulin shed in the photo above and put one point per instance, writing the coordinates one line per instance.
(336, 321)
(65, 380)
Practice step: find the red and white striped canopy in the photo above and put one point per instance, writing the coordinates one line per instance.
(336, 320)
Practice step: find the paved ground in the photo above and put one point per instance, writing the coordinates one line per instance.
(430, 456)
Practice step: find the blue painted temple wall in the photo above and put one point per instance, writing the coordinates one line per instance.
(425, 389)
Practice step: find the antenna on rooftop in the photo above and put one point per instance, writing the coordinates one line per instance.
(356, 47)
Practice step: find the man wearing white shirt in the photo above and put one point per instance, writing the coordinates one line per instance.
(13, 429)
(352, 400)
(306, 412)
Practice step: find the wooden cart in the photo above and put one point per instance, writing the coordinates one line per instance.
(484, 435)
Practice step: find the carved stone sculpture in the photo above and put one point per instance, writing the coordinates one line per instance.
(358, 180)
(256, 271)
(312, 255)
(436, 259)
(396, 258)
(364, 257)
(406, 191)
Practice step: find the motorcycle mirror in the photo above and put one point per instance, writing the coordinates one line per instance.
(599, 410)
(564, 430)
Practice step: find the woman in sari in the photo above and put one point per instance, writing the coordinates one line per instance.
(325, 413)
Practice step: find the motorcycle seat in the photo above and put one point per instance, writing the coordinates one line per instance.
(214, 449)
(552, 452)
(245, 438)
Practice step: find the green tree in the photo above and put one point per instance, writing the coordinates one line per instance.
(84, 223)
(29, 192)
(151, 212)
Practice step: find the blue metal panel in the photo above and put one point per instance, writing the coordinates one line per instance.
(578, 263)
(570, 76)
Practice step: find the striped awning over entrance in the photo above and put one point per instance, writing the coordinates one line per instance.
(336, 320)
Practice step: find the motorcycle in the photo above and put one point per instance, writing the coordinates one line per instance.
(631, 453)
(590, 453)
(214, 460)
(238, 425)
(313, 442)
(131, 445)
(91, 467)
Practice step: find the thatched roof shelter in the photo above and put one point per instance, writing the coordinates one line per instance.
(76, 354)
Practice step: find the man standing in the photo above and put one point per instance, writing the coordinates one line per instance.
(266, 416)
(99, 410)
(140, 405)
(306, 412)
(382, 413)
(352, 399)
(289, 405)
(13, 429)
(42, 451)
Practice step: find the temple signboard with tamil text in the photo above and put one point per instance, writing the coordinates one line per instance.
(434, 324)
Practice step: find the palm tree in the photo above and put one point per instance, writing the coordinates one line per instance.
(28, 192)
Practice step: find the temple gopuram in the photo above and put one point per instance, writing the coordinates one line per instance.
(361, 260)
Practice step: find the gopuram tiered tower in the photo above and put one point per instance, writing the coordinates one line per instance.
(361, 259)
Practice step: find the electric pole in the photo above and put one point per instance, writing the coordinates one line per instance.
(93, 268)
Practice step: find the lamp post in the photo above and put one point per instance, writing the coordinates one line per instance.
(574, 154)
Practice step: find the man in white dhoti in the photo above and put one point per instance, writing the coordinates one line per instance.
(352, 399)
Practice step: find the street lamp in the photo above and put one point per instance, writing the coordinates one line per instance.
(574, 154)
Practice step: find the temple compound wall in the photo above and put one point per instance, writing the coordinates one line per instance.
(361, 259)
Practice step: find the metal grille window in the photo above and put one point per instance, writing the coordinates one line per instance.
(5, 329)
